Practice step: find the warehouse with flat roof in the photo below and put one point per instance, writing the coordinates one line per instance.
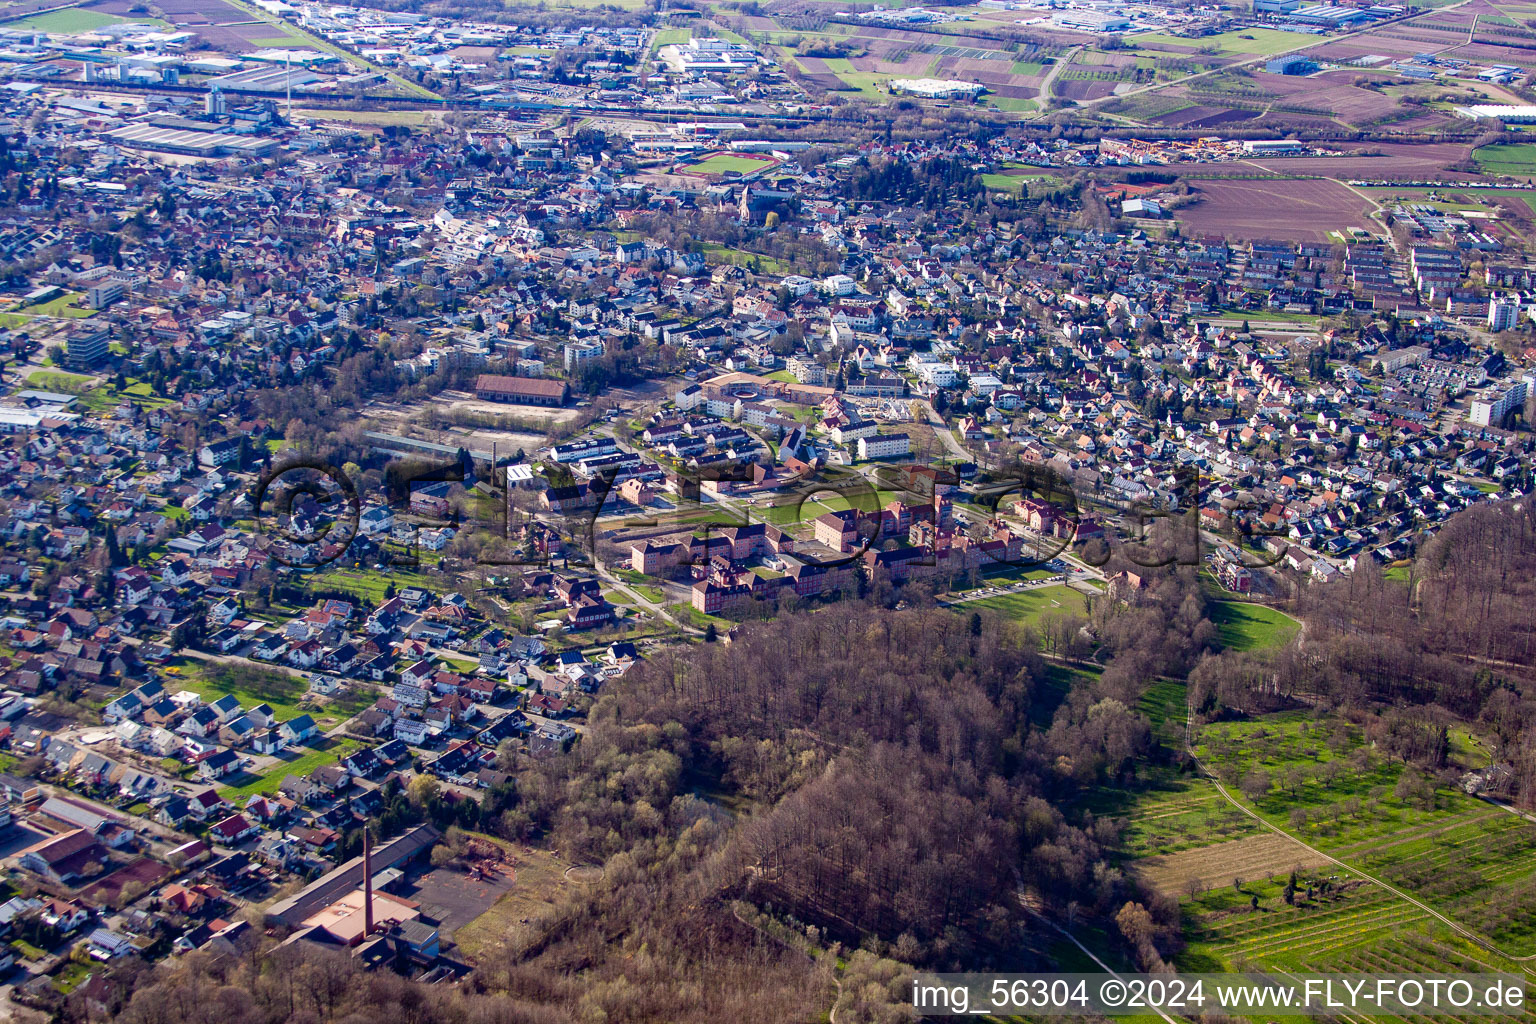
(269, 79)
(190, 143)
(1509, 114)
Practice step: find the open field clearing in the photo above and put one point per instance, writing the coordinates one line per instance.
(1029, 605)
(74, 20)
(1241, 626)
(1208, 867)
(413, 118)
(1513, 160)
(1251, 42)
(539, 883)
(1296, 210)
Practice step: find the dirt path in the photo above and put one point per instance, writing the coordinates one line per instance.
(1461, 930)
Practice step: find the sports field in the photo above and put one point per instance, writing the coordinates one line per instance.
(720, 163)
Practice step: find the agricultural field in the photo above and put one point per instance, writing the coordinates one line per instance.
(861, 59)
(1293, 210)
(1320, 781)
(1204, 868)
(1345, 802)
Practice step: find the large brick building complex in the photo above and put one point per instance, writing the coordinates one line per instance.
(490, 387)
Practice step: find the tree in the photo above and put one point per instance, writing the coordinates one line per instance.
(1255, 785)
(423, 790)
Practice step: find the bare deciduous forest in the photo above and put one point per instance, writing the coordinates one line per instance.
(1454, 640)
(883, 785)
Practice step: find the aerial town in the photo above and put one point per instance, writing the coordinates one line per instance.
(388, 398)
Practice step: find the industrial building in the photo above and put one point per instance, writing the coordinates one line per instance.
(338, 885)
(1333, 16)
(1092, 21)
(1273, 147)
(279, 79)
(1509, 114)
(490, 387)
(935, 88)
(1291, 65)
(190, 143)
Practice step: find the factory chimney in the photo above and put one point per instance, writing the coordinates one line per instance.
(367, 884)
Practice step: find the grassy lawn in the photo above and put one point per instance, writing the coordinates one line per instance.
(1028, 605)
(295, 761)
(70, 21)
(370, 584)
(141, 394)
(1241, 626)
(668, 37)
(722, 162)
(870, 84)
(250, 685)
(283, 41)
(1517, 160)
(414, 118)
(28, 950)
(64, 305)
(1252, 41)
(1010, 182)
(718, 253)
(1012, 104)
(63, 383)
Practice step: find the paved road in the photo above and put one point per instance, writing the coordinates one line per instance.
(945, 434)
